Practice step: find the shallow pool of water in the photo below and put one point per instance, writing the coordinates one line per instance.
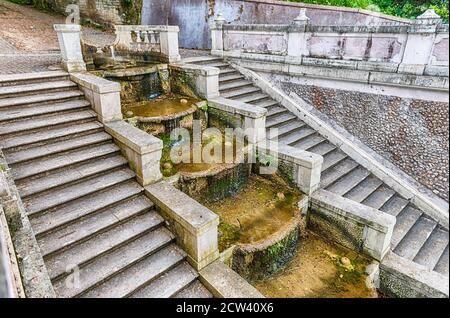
(164, 106)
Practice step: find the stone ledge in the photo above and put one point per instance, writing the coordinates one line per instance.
(223, 282)
(67, 28)
(157, 28)
(95, 83)
(200, 69)
(236, 107)
(132, 137)
(297, 156)
(400, 277)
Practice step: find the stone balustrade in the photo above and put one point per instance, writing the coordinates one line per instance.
(420, 48)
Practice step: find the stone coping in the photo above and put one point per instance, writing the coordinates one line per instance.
(223, 282)
(236, 107)
(138, 140)
(193, 216)
(95, 83)
(201, 69)
(214, 170)
(156, 28)
(67, 28)
(135, 71)
(362, 214)
(291, 154)
(160, 119)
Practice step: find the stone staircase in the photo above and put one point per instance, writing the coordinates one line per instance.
(99, 235)
(417, 237)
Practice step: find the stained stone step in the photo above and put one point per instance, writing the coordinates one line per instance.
(233, 84)
(29, 78)
(276, 110)
(266, 103)
(145, 272)
(289, 128)
(32, 124)
(395, 205)
(224, 78)
(91, 226)
(218, 64)
(431, 252)
(349, 181)
(416, 237)
(379, 197)
(336, 172)
(60, 196)
(83, 207)
(443, 264)
(227, 70)
(323, 148)
(60, 160)
(41, 99)
(32, 186)
(48, 135)
(200, 60)
(15, 157)
(333, 158)
(10, 113)
(169, 284)
(278, 120)
(110, 264)
(194, 290)
(364, 189)
(297, 135)
(405, 221)
(309, 142)
(240, 92)
(36, 88)
(250, 98)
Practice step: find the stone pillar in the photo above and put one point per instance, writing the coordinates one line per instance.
(297, 39)
(203, 79)
(419, 44)
(169, 43)
(217, 35)
(70, 45)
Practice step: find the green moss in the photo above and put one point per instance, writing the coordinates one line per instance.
(131, 11)
(229, 235)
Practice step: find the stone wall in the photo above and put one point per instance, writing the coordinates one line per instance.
(413, 134)
(195, 16)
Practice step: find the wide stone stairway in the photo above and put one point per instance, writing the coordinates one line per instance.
(99, 235)
(417, 237)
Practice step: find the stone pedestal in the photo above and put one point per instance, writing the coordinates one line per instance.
(70, 45)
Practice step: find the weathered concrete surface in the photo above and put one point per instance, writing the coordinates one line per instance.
(194, 16)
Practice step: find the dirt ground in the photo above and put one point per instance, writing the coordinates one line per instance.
(317, 271)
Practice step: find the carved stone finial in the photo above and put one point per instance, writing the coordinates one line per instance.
(301, 19)
(220, 19)
(429, 17)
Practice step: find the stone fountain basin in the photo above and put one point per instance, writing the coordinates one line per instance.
(159, 119)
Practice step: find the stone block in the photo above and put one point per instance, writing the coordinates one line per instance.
(195, 226)
(203, 79)
(142, 150)
(70, 45)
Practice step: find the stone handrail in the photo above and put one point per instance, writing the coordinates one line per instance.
(420, 48)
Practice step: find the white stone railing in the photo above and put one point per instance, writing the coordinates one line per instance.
(148, 39)
(420, 48)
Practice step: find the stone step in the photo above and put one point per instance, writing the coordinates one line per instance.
(431, 252)
(416, 237)
(80, 142)
(296, 135)
(59, 160)
(201, 60)
(32, 124)
(288, 128)
(276, 110)
(265, 103)
(105, 267)
(10, 113)
(323, 149)
(36, 88)
(224, 87)
(405, 221)
(336, 172)
(35, 205)
(41, 99)
(218, 64)
(395, 205)
(194, 290)
(249, 99)
(225, 78)
(91, 226)
(364, 189)
(53, 134)
(278, 120)
(333, 158)
(60, 177)
(83, 207)
(379, 197)
(227, 70)
(30, 78)
(145, 273)
(168, 284)
(349, 181)
(237, 92)
(443, 264)
(309, 142)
